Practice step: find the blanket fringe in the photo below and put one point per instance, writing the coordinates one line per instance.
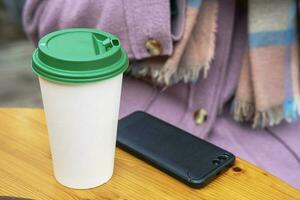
(246, 112)
(163, 78)
(191, 74)
(243, 111)
(268, 118)
(297, 104)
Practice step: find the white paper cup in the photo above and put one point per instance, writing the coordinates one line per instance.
(82, 126)
(81, 103)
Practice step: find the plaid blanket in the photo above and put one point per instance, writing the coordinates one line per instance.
(268, 89)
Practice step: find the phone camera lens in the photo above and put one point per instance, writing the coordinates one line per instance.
(222, 157)
(216, 162)
(226, 155)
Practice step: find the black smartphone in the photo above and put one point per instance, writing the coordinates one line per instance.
(172, 150)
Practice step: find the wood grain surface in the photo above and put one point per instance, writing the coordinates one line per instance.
(26, 171)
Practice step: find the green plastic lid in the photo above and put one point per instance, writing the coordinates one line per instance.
(79, 55)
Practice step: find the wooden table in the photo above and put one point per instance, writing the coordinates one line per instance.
(26, 171)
